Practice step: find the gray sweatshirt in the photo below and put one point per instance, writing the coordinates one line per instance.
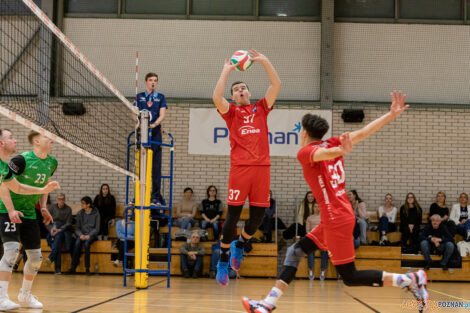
(199, 248)
(88, 224)
(62, 217)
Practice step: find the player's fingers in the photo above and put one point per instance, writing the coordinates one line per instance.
(404, 98)
(20, 213)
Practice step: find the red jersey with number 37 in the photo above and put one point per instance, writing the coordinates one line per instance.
(248, 127)
(327, 182)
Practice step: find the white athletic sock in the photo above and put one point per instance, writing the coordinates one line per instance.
(400, 280)
(273, 296)
(4, 288)
(27, 284)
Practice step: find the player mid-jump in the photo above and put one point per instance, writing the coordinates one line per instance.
(249, 159)
(323, 168)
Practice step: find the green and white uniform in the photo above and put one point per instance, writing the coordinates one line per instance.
(32, 171)
(4, 171)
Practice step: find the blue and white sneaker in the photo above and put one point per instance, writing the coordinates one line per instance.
(236, 256)
(222, 273)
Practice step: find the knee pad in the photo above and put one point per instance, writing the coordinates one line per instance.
(10, 253)
(233, 214)
(256, 218)
(34, 261)
(294, 255)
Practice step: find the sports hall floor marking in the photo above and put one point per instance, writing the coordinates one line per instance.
(448, 295)
(118, 297)
(362, 302)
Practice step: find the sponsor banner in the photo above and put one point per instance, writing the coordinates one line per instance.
(208, 133)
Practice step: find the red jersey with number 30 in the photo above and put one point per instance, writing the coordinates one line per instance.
(248, 127)
(327, 182)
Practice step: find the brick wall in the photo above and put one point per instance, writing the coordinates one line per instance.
(424, 151)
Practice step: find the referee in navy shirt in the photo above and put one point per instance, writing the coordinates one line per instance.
(154, 102)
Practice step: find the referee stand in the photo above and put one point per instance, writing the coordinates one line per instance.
(142, 204)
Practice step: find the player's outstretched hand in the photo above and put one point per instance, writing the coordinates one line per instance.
(53, 185)
(398, 103)
(46, 216)
(346, 143)
(228, 66)
(15, 216)
(256, 56)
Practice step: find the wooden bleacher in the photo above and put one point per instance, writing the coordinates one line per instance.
(262, 260)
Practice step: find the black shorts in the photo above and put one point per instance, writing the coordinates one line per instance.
(27, 232)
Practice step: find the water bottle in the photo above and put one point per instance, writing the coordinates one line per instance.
(96, 268)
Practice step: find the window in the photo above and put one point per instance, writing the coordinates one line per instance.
(290, 8)
(365, 8)
(222, 7)
(431, 9)
(155, 7)
(91, 6)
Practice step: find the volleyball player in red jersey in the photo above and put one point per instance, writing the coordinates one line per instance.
(323, 168)
(249, 160)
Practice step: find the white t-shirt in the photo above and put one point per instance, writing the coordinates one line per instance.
(392, 215)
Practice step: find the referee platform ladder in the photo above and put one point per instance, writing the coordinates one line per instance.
(142, 208)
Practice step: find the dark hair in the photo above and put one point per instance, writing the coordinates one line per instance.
(306, 207)
(87, 200)
(106, 200)
(151, 74)
(32, 134)
(2, 130)
(236, 83)
(354, 192)
(207, 192)
(415, 204)
(315, 126)
(188, 188)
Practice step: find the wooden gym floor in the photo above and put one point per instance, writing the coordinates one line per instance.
(105, 293)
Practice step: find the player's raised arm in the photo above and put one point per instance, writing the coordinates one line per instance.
(274, 80)
(346, 146)
(218, 96)
(398, 107)
(23, 189)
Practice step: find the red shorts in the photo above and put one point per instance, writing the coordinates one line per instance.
(337, 239)
(249, 181)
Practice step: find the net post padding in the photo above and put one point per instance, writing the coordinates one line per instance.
(142, 215)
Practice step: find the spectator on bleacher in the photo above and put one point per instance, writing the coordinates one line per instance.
(459, 215)
(211, 210)
(186, 210)
(191, 256)
(360, 210)
(106, 205)
(387, 214)
(86, 229)
(411, 215)
(121, 234)
(305, 210)
(312, 221)
(435, 237)
(269, 220)
(59, 232)
(215, 258)
(440, 207)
